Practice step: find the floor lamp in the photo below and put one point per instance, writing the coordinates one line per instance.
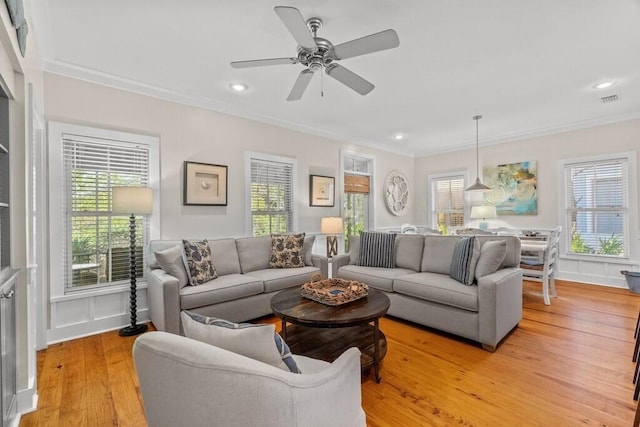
(132, 200)
(331, 226)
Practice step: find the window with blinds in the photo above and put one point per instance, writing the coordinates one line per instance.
(96, 248)
(271, 193)
(358, 174)
(597, 201)
(447, 202)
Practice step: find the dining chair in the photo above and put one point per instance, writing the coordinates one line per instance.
(545, 272)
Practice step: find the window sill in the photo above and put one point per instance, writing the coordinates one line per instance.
(90, 293)
(603, 260)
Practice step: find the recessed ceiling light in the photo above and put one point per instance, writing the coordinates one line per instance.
(398, 136)
(238, 87)
(604, 85)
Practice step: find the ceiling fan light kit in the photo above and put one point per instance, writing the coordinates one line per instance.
(316, 53)
(478, 185)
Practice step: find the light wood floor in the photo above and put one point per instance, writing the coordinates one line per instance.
(567, 364)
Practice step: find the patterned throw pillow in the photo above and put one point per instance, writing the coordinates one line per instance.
(464, 260)
(198, 262)
(287, 251)
(376, 249)
(259, 342)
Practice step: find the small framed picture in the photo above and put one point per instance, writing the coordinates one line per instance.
(321, 190)
(205, 184)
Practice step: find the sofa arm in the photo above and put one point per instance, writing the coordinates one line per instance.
(164, 301)
(337, 262)
(322, 262)
(499, 305)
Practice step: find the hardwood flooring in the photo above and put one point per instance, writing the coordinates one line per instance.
(567, 364)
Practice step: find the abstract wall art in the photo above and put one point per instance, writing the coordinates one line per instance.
(514, 188)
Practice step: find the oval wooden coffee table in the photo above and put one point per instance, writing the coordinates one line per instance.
(324, 332)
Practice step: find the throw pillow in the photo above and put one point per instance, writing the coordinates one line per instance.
(198, 262)
(287, 251)
(464, 260)
(492, 254)
(259, 342)
(376, 249)
(170, 260)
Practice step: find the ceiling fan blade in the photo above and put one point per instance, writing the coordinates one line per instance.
(293, 20)
(373, 43)
(261, 62)
(300, 85)
(349, 78)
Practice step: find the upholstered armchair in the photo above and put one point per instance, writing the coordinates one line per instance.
(185, 382)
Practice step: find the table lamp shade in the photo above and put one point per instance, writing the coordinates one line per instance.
(331, 225)
(131, 200)
(483, 212)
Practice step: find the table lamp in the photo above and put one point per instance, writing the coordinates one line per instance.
(483, 212)
(331, 226)
(132, 201)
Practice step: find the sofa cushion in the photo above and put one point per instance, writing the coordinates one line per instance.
(287, 251)
(170, 260)
(438, 288)
(376, 249)
(224, 288)
(464, 260)
(198, 262)
(259, 342)
(408, 249)
(376, 277)
(254, 253)
(354, 249)
(491, 256)
(308, 249)
(225, 256)
(438, 250)
(275, 279)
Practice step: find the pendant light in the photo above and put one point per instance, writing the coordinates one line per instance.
(478, 186)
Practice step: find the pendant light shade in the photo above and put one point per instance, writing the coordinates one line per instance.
(478, 185)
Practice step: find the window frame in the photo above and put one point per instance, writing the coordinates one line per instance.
(432, 195)
(249, 156)
(58, 219)
(370, 198)
(631, 221)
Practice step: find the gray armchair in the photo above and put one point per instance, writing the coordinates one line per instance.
(189, 383)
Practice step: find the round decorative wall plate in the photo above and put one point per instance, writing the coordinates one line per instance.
(396, 193)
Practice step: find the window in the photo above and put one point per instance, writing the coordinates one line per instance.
(447, 202)
(358, 173)
(92, 248)
(5, 229)
(271, 194)
(597, 206)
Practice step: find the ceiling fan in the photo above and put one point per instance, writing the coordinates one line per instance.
(316, 53)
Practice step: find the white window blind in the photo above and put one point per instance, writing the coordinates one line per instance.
(96, 247)
(271, 196)
(597, 201)
(448, 202)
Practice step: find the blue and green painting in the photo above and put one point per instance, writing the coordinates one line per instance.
(514, 188)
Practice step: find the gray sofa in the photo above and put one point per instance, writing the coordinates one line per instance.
(242, 291)
(421, 290)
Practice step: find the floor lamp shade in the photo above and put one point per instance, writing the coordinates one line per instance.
(331, 226)
(483, 212)
(133, 201)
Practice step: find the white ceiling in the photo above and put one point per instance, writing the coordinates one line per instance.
(528, 67)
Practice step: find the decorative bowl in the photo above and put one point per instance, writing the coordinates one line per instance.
(334, 291)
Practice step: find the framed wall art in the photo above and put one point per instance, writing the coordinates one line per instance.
(205, 184)
(321, 190)
(514, 188)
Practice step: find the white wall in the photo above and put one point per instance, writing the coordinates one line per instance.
(546, 151)
(195, 134)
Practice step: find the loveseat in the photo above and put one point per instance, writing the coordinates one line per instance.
(242, 290)
(421, 289)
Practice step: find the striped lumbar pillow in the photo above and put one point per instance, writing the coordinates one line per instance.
(464, 260)
(376, 249)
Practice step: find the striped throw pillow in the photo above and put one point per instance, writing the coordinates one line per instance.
(376, 249)
(464, 260)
